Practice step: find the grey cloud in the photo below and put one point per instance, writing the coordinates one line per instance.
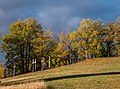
(55, 13)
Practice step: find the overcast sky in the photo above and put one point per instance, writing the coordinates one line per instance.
(57, 15)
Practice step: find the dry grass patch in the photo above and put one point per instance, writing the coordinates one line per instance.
(31, 85)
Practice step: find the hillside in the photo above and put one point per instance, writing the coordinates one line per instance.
(98, 73)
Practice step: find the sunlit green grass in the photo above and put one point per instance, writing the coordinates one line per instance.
(94, 82)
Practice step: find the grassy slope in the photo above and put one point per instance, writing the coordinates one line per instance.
(102, 73)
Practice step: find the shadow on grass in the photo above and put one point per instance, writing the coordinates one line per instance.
(58, 78)
(80, 75)
(50, 87)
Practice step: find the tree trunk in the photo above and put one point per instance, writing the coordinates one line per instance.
(22, 57)
(70, 58)
(108, 49)
(29, 57)
(86, 55)
(26, 54)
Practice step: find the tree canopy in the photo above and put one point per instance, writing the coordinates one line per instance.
(27, 41)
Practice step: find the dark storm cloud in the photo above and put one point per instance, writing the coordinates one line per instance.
(57, 15)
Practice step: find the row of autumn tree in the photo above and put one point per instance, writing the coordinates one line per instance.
(1, 70)
(27, 41)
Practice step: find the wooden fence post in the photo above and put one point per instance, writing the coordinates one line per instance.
(33, 65)
(49, 62)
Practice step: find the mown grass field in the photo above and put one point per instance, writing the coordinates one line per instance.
(100, 73)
